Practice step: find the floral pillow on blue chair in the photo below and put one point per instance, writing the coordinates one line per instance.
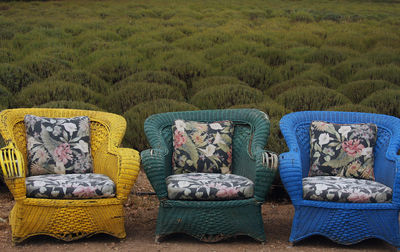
(58, 145)
(344, 150)
(202, 147)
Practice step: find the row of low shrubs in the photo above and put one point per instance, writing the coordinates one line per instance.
(324, 46)
(295, 95)
(301, 94)
(184, 70)
(185, 75)
(249, 61)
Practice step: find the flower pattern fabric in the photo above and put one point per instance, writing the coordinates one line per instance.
(344, 150)
(202, 147)
(209, 186)
(58, 145)
(70, 186)
(338, 189)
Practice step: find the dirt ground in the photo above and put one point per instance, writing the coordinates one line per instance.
(140, 222)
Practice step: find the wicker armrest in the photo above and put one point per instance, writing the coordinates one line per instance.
(121, 165)
(12, 162)
(13, 169)
(396, 184)
(291, 174)
(270, 160)
(154, 164)
(393, 159)
(129, 167)
(266, 167)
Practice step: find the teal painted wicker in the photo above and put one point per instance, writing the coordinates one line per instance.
(344, 223)
(211, 220)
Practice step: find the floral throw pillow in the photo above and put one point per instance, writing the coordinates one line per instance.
(202, 147)
(58, 145)
(344, 150)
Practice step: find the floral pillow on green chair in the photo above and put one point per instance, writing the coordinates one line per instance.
(344, 150)
(58, 145)
(202, 147)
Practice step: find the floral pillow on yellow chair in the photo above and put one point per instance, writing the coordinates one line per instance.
(58, 145)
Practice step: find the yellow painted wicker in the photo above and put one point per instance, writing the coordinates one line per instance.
(71, 219)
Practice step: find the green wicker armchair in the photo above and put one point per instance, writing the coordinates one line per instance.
(211, 220)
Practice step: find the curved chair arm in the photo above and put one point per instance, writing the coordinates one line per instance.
(396, 185)
(154, 162)
(121, 165)
(266, 165)
(13, 168)
(291, 174)
(392, 155)
(129, 167)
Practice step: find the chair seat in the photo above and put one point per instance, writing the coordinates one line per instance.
(339, 189)
(70, 186)
(209, 186)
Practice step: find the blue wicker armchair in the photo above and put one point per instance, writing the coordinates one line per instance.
(342, 222)
(209, 220)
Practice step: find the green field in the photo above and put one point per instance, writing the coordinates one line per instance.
(137, 58)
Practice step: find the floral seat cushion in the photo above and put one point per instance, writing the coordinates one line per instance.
(209, 186)
(339, 189)
(70, 186)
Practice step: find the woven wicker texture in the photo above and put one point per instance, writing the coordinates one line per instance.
(344, 223)
(211, 220)
(73, 219)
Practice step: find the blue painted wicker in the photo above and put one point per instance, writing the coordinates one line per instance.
(211, 220)
(344, 223)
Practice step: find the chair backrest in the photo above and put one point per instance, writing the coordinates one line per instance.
(102, 126)
(251, 131)
(296, 130)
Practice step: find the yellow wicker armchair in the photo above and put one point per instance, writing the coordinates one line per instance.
(69, 219)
